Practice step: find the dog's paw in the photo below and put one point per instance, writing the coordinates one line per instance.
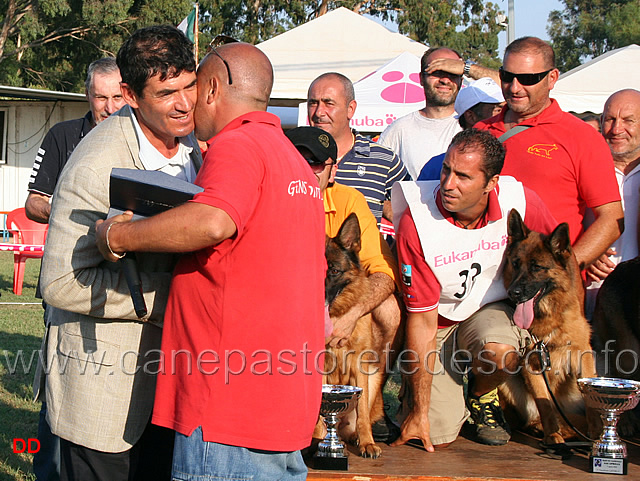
(370, 451)
(553, 438)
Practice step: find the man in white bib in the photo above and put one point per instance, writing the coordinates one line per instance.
(451, 237)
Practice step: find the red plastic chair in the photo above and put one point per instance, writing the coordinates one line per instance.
(25, 231)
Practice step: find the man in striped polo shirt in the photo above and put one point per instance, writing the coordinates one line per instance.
(363, 164)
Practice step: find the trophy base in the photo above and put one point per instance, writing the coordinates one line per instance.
(339, 463)
(600, 464)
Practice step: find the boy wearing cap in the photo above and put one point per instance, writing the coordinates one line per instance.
(481, 99)
(319, 149)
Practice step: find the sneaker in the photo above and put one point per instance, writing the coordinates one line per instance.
(486, 416)
(384, 430)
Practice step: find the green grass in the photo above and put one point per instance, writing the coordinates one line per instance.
(21, 330)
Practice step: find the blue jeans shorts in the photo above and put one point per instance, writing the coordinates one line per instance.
(198, 460)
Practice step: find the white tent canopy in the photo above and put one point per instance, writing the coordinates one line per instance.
(587, 87)
(340, 41)
(390, 92)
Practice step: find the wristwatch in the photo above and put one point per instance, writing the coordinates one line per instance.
(467, 67)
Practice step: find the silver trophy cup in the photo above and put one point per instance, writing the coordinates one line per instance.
(611, 397)
(336, 402)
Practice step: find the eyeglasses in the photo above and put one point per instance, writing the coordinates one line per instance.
(218, 41)
(523, 78)
(313, 162)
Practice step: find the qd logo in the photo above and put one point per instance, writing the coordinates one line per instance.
(31, 445)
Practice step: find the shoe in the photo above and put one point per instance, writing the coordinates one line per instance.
(486, 415)
(384, 430)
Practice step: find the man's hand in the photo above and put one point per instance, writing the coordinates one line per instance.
(601, 267)
(450, 65)
(343, 327)
(416, 426)
(102, 231)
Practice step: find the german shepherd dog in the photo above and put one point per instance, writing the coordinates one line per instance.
(362, 361)
(616, 326)
(542, 277)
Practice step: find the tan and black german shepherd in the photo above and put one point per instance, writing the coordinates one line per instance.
(362, 361)
(543, 278)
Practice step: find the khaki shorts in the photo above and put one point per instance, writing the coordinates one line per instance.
(457, 345)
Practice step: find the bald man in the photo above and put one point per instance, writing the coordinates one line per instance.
(621, 129)
(245, 317)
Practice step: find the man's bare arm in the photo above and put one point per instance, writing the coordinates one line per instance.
(422, 328)
(381, 286)
(597, 239)
(38, 208)
(186, 228)
(387, 211)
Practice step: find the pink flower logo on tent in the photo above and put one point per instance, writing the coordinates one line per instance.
(402, 92)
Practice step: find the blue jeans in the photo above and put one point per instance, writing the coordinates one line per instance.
(198, 460)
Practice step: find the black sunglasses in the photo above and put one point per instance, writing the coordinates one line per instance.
(523, 78)
(216, 42)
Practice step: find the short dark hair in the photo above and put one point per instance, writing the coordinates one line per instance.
(493, 152)
(157, 50)
(347, 84)
(103, 66)
(423, 60)
(533, 45)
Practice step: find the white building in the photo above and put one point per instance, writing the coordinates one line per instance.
(26, 115)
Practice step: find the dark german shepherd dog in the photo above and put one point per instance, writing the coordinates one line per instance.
(362, 361)
(543, 278)
(616, 326)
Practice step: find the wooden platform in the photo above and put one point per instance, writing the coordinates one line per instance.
(465, 460)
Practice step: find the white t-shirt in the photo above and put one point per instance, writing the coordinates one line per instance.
(417, 139)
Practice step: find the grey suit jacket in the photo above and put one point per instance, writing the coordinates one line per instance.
(101, 360)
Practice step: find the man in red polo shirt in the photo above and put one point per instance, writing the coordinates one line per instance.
(565, 161)
(243, 329)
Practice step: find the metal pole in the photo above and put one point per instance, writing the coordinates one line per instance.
(511, 24)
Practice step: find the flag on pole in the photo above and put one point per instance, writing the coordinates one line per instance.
(187, 25)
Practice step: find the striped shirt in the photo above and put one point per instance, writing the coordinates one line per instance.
(372, 169)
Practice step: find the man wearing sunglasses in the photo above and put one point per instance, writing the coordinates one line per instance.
(320, 150)
(564, 160)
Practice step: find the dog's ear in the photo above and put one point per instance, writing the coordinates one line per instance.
(349, 234)
(559, 243)
(515, 227)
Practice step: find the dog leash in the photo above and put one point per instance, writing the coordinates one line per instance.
(542, 349)
(562, 450)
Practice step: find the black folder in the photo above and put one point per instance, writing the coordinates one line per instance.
(147, 192)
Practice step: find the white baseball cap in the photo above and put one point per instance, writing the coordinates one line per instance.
(483, 90)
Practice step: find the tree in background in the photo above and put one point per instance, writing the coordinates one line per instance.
(50, 43)
(588, 28)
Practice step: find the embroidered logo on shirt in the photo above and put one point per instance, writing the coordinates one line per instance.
(406, 275)
(542, 150)
(362, 170)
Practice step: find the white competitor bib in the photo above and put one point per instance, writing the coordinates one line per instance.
(467, 263)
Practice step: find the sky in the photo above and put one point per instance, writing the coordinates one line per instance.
(531, 18)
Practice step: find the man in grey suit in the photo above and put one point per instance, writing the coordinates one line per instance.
(101, 359)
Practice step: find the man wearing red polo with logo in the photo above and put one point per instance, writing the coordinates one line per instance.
(565, 161)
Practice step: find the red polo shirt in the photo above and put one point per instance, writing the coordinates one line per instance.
(564, 160)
